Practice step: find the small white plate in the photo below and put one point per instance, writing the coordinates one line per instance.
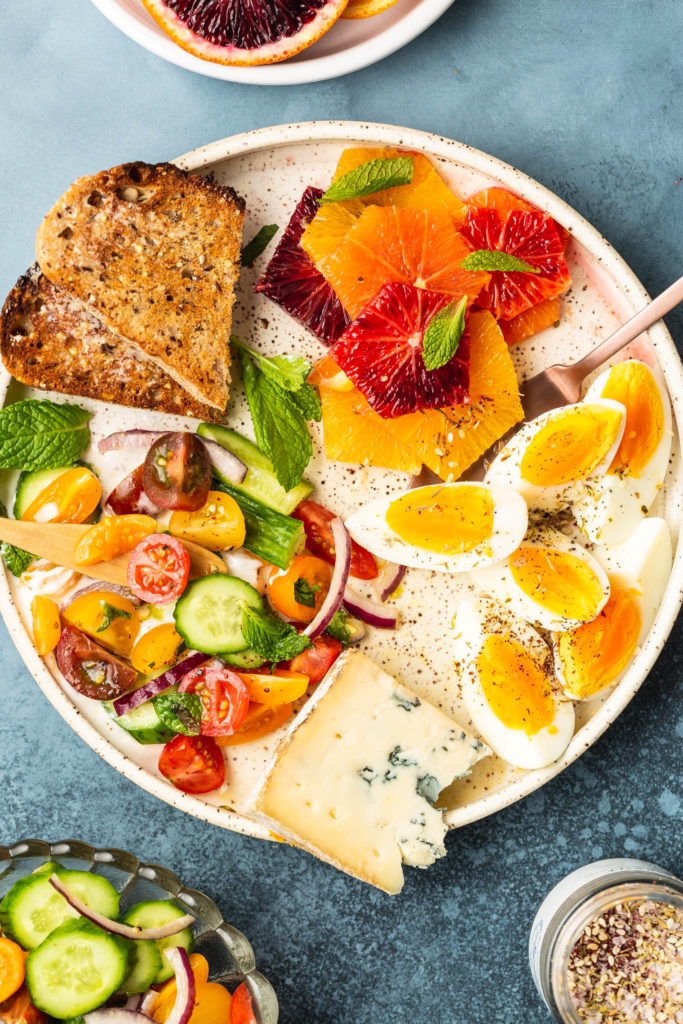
(349, 45)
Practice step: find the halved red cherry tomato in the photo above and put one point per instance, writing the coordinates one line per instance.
(316, 661)
(305, 571)
(128, 497)
(90, 669)
(176, 472)
(224, 697)
(316, 519)
(241, 1010)
(193, 764)
(158, 569)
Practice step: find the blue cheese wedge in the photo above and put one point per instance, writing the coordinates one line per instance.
(357, 777)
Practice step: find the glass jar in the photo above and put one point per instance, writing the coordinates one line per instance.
(581, 897)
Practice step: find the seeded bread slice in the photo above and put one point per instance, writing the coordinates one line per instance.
(155, 253)
(50, 340)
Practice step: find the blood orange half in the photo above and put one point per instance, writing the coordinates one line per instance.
(245, 32)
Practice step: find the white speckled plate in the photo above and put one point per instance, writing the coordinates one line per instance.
(349, 45)
(270, 168)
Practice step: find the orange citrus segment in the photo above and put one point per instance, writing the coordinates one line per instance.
(410, 246)
(500, 200)
(367, 8)
(354, 432)
(327, 374)
(531, 321)
(329, 227)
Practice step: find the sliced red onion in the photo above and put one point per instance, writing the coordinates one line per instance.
(374, 614)
(390, 575)
(133, 1002)
(111, 588)
(172, 675)
(340, 574)
(148, 1001)
(185, 985)
(116, 1015)
(128, 931)
(227, 464)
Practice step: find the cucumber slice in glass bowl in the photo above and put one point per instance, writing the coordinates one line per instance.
(228, 951)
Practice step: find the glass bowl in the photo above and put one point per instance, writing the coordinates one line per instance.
(229, 953)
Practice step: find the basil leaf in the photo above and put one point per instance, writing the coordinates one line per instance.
(338, 628)
(181, 712)
(109, 613)
(371, 176)
(491, 260)
(270, 637)
(39, 434)
(443, 334)
(304, 593)
(252, 250)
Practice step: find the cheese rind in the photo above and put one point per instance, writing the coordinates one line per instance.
(357, 775)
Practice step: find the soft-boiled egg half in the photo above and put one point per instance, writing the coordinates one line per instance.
(549, 459)
(593, 657)
(509, 685)
(447, 527)
(550, 580)
(608, 511)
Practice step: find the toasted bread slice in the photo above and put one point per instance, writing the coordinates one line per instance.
(52, 341)
(155, 253)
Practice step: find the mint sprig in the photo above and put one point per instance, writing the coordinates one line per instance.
(443, 334)
(304, 593)
(492, 260)
(180, 712)
(339, 629)
(369, 177)
(253, 249)
(270, 637)
(109, 613)
(16, 559)
(39, 434)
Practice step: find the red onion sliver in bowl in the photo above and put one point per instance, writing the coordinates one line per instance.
(374, 614)
(390, 575)
(128, 931)
(116, 1015)
(172, 675)
(185, 986)
(133, 1002)
(129, 439)
(340, 575)
(227, 464)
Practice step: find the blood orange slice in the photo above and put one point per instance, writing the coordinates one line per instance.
(388, 244)
(531, 321)
(245, 32)
(512, 226)
(381, 352)
(292, 280)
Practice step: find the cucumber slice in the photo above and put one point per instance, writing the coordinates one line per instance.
(142, 723)
(147, 964)
(208, 616)
(76, 968)
(152, 914)
(260, 481)
(31, 484)
(243, 659)
(272, 536)
(32, 909)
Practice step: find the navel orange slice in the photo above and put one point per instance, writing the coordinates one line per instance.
(531, 321)
(354, 432)
(367, 8)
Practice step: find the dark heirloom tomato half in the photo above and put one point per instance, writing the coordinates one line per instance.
(224, 697)
(193, 764)
(158, 569)
(319, 540)
(176, 472)
(316, 661)
(90, 669)
(129, 498)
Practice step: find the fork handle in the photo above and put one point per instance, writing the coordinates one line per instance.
(653, 312)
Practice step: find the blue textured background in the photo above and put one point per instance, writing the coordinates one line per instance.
(584, 96)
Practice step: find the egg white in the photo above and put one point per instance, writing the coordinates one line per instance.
(477, 619)
(506, 468)
(368, 526)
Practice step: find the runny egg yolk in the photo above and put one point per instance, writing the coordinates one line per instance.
(450, 520)
(593, 655)
(558, 580)
(635, 387)
(571, 445)
(514, 685)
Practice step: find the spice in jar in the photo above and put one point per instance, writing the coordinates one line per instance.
(627, 965)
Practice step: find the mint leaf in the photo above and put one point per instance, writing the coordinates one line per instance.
(280, 428)
(181, 712)
(372, 176)
(443, 334)
(338, 628)
(16, 559)
(270, 637)
(304, 593)
(252, 250)
(490, 259)
(109, 613)
(307, 401)
(39, 434)
(288, 372)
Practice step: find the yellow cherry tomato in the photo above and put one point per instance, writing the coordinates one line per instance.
(47, 628)
(156, 648)
(167, 993)
(278, 688)
(260, 721)
(112, 536)
(71, 498)
(12, 960)
(109, 618)
(307, 575)
(217, 525)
